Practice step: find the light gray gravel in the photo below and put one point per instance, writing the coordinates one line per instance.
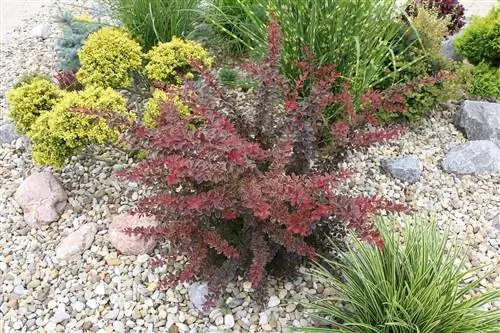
(106, 292)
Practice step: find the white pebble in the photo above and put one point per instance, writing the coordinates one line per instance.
(273, 301)
(100, 289)
(60, 316)
(78, 306)
(92, 303)
(229, 320)
(118, 326)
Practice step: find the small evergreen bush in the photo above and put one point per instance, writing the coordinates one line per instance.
(480, 41)
(30, 98)
(60, 133)
(75, 32)
(107, 59)
(416, 282)
(171, 62)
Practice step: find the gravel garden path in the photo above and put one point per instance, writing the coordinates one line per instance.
(105, 291)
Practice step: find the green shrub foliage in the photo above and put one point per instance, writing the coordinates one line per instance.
(62, 132)
(421, 63)
(430, 28)
(481, 81)
(29, 99)
(108, 57)
(75, 32)
(415, 283)
(480, 41)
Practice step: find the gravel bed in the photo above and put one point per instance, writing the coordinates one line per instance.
(109, 292)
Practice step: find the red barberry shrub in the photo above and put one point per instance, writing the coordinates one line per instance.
(234, 188)
(67, 80)
(444, 8)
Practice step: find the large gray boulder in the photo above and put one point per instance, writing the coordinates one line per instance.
(479, 157)
(481, 120)
(405, 168)
(42, 199)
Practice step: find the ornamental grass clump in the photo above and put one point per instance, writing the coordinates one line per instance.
(29, 99)
(359, 37)
(107, 59)
(416, 282)
(152, 22)
(234, 191)
(171, 62)
(62, 132)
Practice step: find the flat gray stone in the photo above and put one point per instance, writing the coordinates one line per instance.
(479, 157)
(481, 120)
(405, 168)
(8, 134)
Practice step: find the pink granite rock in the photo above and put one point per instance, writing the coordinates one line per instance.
(73, 245)
(131, 244)
(42, 199)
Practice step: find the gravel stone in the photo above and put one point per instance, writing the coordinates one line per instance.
(40, 31)
(273, 301)
(60, 316)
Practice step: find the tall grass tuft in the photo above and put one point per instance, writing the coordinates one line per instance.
(153, 21)
(237, 26)
(416, 283)
(359, 36)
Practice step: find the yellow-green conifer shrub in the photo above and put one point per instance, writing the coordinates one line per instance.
(108, 57)
(61, 133)
(31, 98)
(154, 104)
(169, 62)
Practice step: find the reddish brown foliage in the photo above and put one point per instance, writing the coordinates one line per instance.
(240, 185)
